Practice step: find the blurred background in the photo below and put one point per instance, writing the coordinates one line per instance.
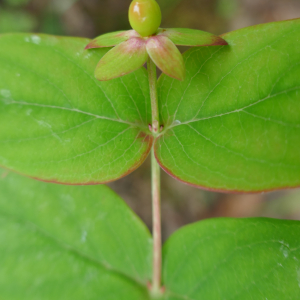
(181, 204)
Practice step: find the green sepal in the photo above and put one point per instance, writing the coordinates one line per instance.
(191, 37)
(121, 60)
(112, 39)
(166, 56)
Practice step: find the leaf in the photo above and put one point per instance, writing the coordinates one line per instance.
(65, 242)
(233, 259)
(191, 37)
(111, 39)
(166, 56)
(122, 59)
(58, 123)
(234, 123)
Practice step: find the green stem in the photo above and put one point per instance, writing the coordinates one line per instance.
(155, 171)
(153, 95)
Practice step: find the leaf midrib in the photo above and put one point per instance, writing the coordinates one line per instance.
(242, 110)
(72, 110)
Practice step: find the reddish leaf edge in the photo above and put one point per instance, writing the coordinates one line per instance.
(146, 139)
(93, 45)
(218, 41)
(217, 190)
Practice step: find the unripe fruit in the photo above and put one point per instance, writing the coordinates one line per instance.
(144, 16)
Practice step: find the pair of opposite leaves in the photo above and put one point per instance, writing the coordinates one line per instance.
(105, 252)
(233, 124)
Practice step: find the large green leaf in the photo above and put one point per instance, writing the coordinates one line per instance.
(65, 242)
(234, 259)
(58, 123)
(234, 123)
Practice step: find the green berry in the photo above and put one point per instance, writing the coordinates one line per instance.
(144, 16)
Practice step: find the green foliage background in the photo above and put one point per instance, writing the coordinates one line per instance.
(182, 204)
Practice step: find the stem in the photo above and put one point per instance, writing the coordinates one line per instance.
(153, 95)
(155, 171)
(156, 224)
